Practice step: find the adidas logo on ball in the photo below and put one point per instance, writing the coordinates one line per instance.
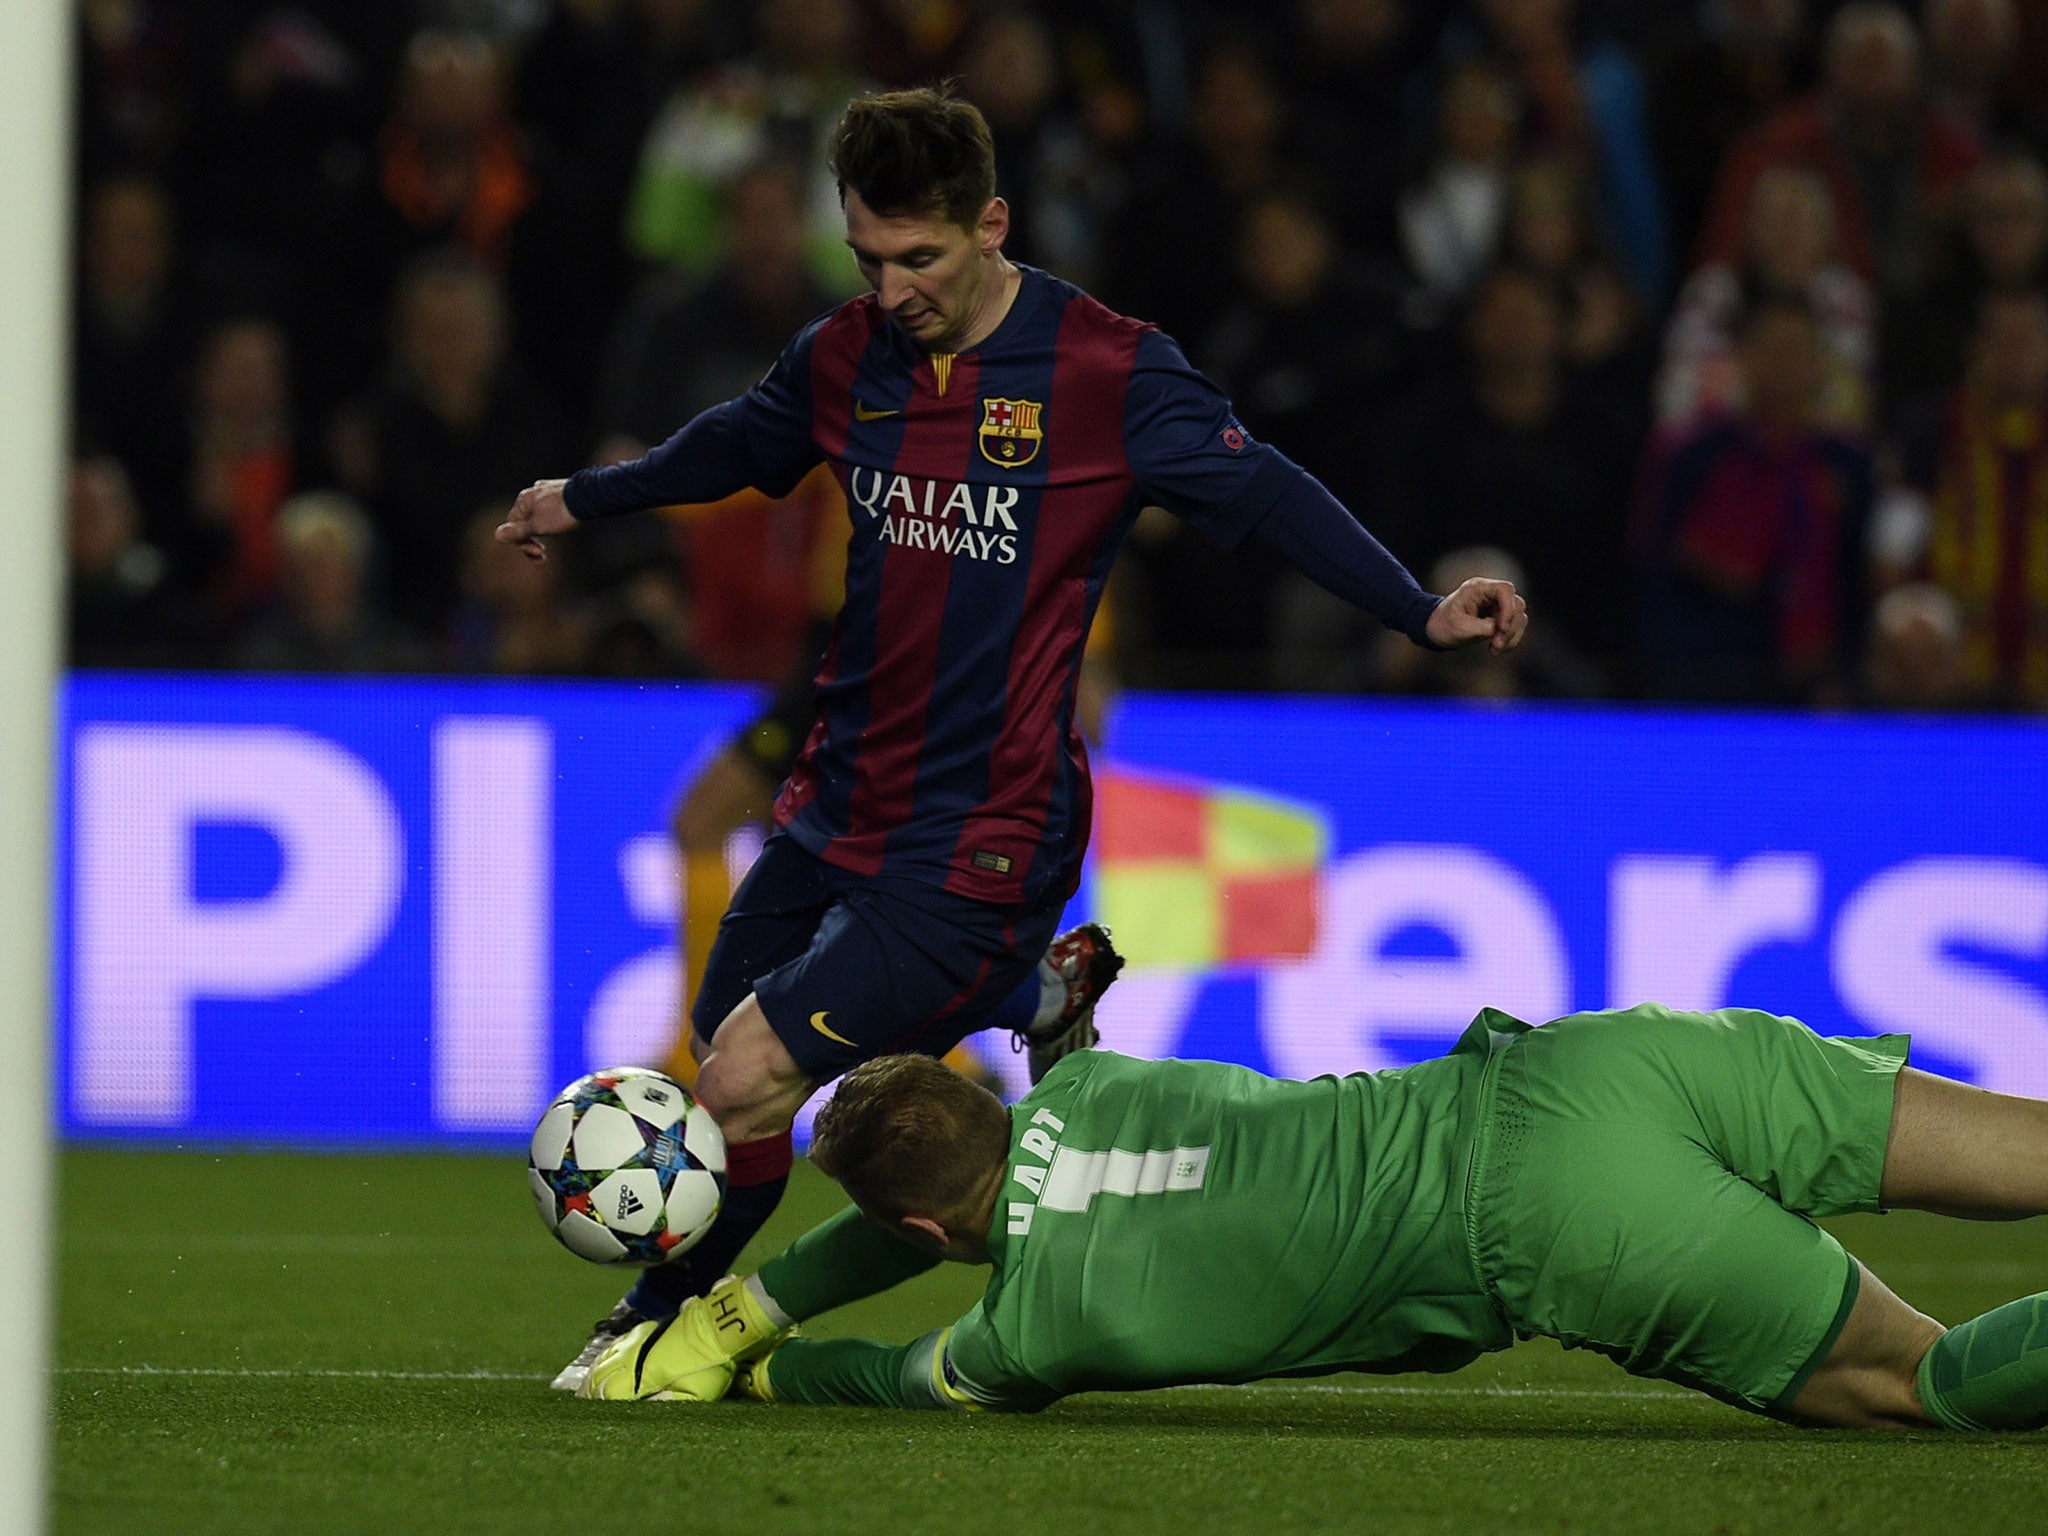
(626, 1167)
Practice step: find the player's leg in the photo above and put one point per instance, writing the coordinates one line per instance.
(1896, 1367)
(882, 972)
(753, 1087)
(1638, 1188)
(1964, 1151)
(1823, 1127)
(1867, 1380)
(772, 919)
(1052, 1012)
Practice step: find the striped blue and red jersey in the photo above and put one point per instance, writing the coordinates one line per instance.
(989, 493)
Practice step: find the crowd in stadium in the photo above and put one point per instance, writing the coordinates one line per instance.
(1721, 328)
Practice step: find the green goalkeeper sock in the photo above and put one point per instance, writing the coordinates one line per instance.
(1991, 1372)
(838, 1261)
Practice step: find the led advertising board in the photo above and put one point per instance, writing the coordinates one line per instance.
(377, 911)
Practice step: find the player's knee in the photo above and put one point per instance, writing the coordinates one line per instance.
(750, 1085)
(727, 1083)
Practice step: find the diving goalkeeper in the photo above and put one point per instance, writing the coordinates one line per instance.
(1635, 1182)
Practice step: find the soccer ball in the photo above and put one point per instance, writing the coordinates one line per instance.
(627, 1167)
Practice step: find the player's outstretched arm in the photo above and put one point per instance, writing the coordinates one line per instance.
(540, 511)
(857, 1373)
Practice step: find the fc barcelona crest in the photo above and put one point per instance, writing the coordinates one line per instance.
(1010, 433)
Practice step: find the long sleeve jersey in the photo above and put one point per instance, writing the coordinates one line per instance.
(989, 493)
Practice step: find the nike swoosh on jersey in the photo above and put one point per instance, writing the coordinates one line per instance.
(862, 413)
(818, 1023)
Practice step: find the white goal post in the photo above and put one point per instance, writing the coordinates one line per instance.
(35, 99)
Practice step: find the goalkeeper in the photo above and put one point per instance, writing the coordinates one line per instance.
(1636, 1182)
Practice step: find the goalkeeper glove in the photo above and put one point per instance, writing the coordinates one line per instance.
(751, 1380)
(690, 1357)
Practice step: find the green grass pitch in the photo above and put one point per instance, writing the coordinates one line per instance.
(256, 1343)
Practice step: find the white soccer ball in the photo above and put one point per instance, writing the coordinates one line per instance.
(627, 1167)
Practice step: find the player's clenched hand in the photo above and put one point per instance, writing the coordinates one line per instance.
(1481, 609)
(539, 510)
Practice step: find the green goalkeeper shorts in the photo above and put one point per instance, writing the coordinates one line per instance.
(1642, 1180)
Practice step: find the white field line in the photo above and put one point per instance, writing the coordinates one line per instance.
(239, 1372)
(1273, 1389)
(346, 1245)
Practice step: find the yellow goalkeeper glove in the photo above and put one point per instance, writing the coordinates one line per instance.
(751, 1379)
(690, 1357)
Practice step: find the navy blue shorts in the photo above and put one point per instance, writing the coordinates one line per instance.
(848, 968)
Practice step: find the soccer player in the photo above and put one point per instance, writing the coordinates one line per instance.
(995, 431)
(1635, 1182)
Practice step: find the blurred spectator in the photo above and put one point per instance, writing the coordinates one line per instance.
(588, 86)
(1193, 615)
(1553, 229)
(1584, 102)
(588, 89)
(780, 101)
(1787, 252)
(323, 621)
(590, 80)
(1894, 163)
(132, 92)
(124, 610)
(1514, 450)
(453, 164)
(1982, 530)
(1347, 86)
(512, 616)
(1753, 527)
(909, 42)
(686, 346)
(1732, 64)
(639, 628)
(244, 461)
(2001, 241)
(1971, 54)
(1168, 257)
(276, 171)
(1317, 348)
(457, 424)
(1053, 178)
(1916, 651)
(1452, 216)
(133, 335)
(1312, 354)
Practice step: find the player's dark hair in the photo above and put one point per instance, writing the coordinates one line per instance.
(915, 152)
(909, 1136)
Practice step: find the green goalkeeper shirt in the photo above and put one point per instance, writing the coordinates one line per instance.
(1181, 1221)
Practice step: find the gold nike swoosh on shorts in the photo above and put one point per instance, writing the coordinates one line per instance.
(818, 1023)
(862, 413)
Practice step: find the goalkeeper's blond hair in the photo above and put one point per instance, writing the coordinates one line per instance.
(909, 1136)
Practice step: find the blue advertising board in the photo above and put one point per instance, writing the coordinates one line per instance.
(367, 912)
